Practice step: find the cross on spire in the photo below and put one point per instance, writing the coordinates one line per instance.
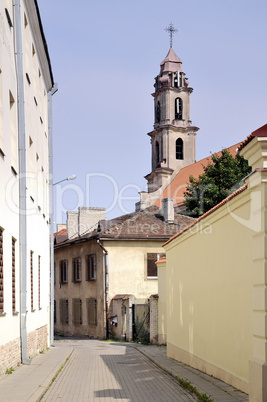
(171, 31)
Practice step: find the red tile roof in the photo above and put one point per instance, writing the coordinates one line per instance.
(260, 132)
(176, 188)
(223, 202)
(143, 225)
(60, 236)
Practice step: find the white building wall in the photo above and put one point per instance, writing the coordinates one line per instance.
(36, 65)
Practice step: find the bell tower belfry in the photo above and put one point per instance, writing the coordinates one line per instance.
(173, 138)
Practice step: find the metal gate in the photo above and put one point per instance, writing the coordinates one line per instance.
(141, 322)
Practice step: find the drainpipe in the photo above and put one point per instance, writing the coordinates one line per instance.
(106, 284)
(51, 226)
(22, 181)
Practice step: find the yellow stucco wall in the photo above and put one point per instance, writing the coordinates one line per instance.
(209, 294)
(162, 305)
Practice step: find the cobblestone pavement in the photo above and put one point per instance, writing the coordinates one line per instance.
(99, 371)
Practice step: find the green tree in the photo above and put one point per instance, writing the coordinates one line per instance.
(222, 176)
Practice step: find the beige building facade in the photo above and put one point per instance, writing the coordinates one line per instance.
(212, 286)
(101, 269)
(26, 82)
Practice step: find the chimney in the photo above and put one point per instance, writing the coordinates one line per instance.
(167, 210)
(88, 219)
(61, 226)
(72, 224)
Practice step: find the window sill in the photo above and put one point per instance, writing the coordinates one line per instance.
(151, 277)
(3, 314)
(33, 310)
(15, 313)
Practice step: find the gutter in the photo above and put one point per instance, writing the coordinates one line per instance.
(22, 181)
(106, 283)
(51, 227)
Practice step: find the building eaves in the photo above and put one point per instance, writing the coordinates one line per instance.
(223, 202)
(44, 40)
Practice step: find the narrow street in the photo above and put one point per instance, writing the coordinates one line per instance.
(99, 371)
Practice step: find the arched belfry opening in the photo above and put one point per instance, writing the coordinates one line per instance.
(178, 108)
(157, 152)
(179, 149)
(158, 112)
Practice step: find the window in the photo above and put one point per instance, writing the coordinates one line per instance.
(64, 311)
(13, 276)
(91, 311)
(8, 18)
(179, 149)
(63, 272)
(178, 108)
(1, 273)
(158, 113)
(76, 263)
(152, 269)
(77, 311)
(91, 267)
(31, 262)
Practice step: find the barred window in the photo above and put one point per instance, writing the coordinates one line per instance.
(63, 272)
(64, 311)
(91, 311)
(91, 268)
(31, 262)
(13, 276)
(1, 273)
(55, 311)
(76, 264)
(39, 282)
(77, 311)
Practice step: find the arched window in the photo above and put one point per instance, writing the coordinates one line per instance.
(157, 152)
(178, 108)
(179, 149)
(158, 113)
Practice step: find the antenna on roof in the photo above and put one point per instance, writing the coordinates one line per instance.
(171, 31)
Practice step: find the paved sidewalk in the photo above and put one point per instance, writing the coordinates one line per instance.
(28, 383)
(216, 389)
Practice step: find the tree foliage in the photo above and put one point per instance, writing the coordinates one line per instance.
(222, 176)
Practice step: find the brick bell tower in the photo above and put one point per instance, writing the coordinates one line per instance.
(173, 138)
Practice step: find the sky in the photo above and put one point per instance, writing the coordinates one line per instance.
(105, 56)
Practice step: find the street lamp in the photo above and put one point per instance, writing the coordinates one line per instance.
(72, 177)
(52, 259)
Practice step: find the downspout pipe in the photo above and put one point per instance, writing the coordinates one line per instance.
(51, 226)
(22, 181)
(106, 283)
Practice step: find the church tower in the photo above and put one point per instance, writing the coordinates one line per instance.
(173, 138)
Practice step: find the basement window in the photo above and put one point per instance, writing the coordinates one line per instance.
(28, 78)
